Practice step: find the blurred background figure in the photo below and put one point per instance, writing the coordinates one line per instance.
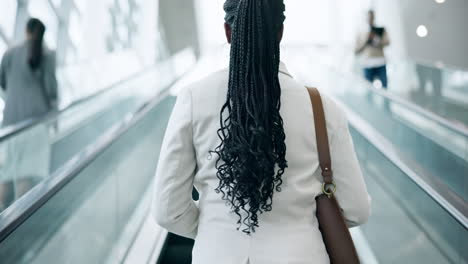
(27, 75)
(57, 66)
(433, 75)
(370, 46)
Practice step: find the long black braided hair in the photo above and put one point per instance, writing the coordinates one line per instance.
(251, 156)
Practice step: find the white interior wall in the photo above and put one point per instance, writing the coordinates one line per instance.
(210, 19)
(96, 27)
(147, 34)
(308, 22)
(446, 43)
(178, 19)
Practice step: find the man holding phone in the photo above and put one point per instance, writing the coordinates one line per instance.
(370, 46)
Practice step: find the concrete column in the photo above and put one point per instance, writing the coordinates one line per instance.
(21, 20)
(178, 20)
(63, 39)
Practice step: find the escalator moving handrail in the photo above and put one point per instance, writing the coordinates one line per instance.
(460, 129)
(26, 206)
(441, 66)
(13, 130)
(384, 147)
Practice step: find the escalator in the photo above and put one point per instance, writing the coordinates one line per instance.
(415, 165)
(433, 147)
(405, 218)
(407, 215)
(53, 140)
(127, 118)
(95, 208)
(102, 166)
(80, 214)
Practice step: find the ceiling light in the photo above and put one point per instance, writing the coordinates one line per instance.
(440, 1)
(422, 31)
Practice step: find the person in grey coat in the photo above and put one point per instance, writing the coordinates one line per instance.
(27, 76)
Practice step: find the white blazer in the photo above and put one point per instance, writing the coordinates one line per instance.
(289, 233)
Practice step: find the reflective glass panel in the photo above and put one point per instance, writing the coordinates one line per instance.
(35, 154)
(83, 221)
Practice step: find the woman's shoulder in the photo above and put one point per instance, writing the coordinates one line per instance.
(205, 95)
(9, 55)
(20, 47)
(336, 118)
(206, 81)
(49, 52)
(49, 55)
(12, 50)
(332, 107)
(335, 115)
(208, 87)
(333, 111)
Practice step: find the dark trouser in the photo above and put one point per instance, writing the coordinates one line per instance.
(379, 73)
(432, 74)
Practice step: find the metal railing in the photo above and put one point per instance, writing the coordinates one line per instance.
(387, 149)
(26, 206)
(462, 130)
(12, 130)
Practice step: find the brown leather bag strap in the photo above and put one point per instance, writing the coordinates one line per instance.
(321, 135)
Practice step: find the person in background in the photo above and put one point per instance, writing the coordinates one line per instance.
(432, 74)
(27, 76)
(370, 46)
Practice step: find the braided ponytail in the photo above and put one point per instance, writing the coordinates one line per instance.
(251, 156)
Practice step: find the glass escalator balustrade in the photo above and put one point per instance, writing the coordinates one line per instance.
(87, 79)
(432, 148)
(437, 88)
(82, 222)
(36, 153)
(404, 218)
(407, 218)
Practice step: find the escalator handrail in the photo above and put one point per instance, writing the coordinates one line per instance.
(22, 209)
(15, 129)
(460, 129)
(441, 66)
(386, 149)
